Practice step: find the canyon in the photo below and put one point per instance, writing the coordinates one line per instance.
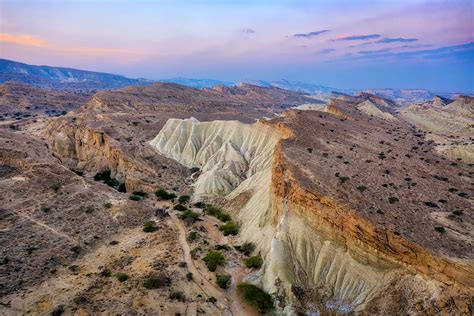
(343, 200)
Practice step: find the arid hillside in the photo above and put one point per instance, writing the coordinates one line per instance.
(125, 203)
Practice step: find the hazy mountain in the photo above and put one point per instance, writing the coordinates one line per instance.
(63, 78)
(198, 83)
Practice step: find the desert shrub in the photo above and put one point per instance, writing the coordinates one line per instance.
(343, 179)
(76, 249)
(223, 280)
(102, 176)
(122, 188)
(89, 210)
(189, 276)
(458, 212)
(180, 207)
(45, 209)
(78, 172)
(247, 248)
(122, 277)
(162, 194)
(361, 188)
(382, 155)
(189, 214)
(134, 197)
(440, 229)
(229, 228)
(150, 227)
(74, 268)
(183, 199)
(194, 169)
(255, 296)
(253, 262)
(108, 205)
(222, 247)
(212, 300)
(216, 212)
(463, 194)
(105, 273)
(192, 236)
(156, 281)
(58, 311)
(200, 205)
(310, 150)
(430, 204)
(112, 182)
(5, 260)
(214, 259)
(177, 295)
(392, 199)
(140, 193)
(452, 190)
(194, 252)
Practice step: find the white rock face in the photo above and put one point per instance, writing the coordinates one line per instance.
(227, 152)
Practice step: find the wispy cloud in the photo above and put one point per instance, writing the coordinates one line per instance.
(356, 37)
(22, 40)
(462, 51)
(326, 51)
(396, 40)
(247, 31)
(372, 52)
(311, 34)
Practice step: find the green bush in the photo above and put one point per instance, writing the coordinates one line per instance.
(134, 197)
(122, 277)
(224, 217)
(108, 205)
(200, 205)
(105, 273)
(255, 296)
(392, 199)
(214, 259)
(122, 188)
(229, 228)
(180, 207)
(361, 188)
(253, 262)
(189, 276)
(162, 194)
(150, 227)
(194, 169)
(156, 281)
(192, 236)
(177, 295)
(140, 193)
(102, 176)
(183, 199)
(247, 248)
(440, 229)
(223, 280)
(89, 210)
(189, 214)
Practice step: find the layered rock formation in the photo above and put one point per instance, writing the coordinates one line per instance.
(322, 251)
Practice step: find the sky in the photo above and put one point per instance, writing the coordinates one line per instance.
(353, 44)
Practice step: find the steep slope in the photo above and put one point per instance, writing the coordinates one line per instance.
(324, 247)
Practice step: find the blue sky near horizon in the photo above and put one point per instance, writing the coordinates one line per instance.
(339, 43)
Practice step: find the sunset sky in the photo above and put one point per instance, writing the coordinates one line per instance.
(345, 44)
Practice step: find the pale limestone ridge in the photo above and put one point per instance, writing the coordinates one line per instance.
(369, 108)
(227, 152)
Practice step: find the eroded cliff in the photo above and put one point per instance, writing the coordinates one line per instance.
(320, 254)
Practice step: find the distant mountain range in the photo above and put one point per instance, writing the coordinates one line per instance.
(60, 78)
(63, 78)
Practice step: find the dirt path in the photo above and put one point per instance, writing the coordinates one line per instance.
(54, 231)
(207, 287)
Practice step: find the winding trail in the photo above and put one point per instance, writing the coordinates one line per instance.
(207, 287)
